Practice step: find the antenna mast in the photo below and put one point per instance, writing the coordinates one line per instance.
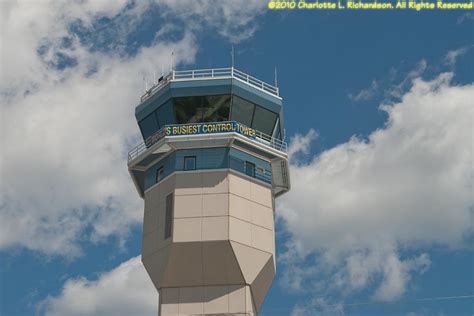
(276, 77)
(232, 54)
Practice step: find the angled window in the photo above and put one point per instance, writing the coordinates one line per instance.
(188, 109)
(190, 163)
(264, 120)
(242, 111)
(250, 169)
(159, 174)
(148, 126)
(165, 114)
(215, 108)
(169, 215)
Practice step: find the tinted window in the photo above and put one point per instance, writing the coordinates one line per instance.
(190, 163)
(188, 109)
(264, 120)
(250, 169)
(148, 125)
(215, 108)
(212, 108)
(165, 114)
(242, 110)
(159, 174)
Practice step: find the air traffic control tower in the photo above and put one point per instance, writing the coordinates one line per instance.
(212, 163)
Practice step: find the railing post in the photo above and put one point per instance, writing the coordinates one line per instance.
(232, 72)
(212, 73)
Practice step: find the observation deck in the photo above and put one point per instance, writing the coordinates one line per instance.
(211, 109)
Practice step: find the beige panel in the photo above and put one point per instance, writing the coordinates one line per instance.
(261, 194)
(239, 231)
(154, 192)
(262, 216)
(169, 301)
(215, 204)
(250, 306)
(240, 207)
(219, 264)
(251, 260)
(188, 183)
(156, 264)
(150, 243)
(237, 299)
(161, 229)
(187, 206)
(187, 229)
(262, 238)
(191, 300)
(239, 186)
(150, 219)
(216, 299)
(184, 265)
(215, 182)
(165, 187)
(262, 283)
(215, 228)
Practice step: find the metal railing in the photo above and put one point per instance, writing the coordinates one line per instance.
(256, 136)
(216, 73)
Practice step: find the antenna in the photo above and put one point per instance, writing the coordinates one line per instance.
(172, 61)
(276, 77)
(232, 54)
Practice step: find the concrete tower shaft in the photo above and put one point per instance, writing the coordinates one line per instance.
(209, 177)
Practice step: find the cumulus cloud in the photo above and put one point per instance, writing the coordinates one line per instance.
(64, 147)
(361, 213)
(68, 93)
(125, 290)
(301, 144)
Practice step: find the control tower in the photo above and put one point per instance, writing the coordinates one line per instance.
(212, 163)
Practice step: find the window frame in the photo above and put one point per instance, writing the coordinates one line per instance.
(184, 163)
(159, 174)
(248, 163)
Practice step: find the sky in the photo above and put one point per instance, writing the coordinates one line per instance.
(379, 116)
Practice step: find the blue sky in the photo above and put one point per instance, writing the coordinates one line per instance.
(379, 116)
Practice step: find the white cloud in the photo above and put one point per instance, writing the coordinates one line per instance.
(355, 211)
(366, 94)
(300, 144)
(234, 19)
(125, 290)
(66, 126)
(64, 158)
(468, 16)
(452, 56)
